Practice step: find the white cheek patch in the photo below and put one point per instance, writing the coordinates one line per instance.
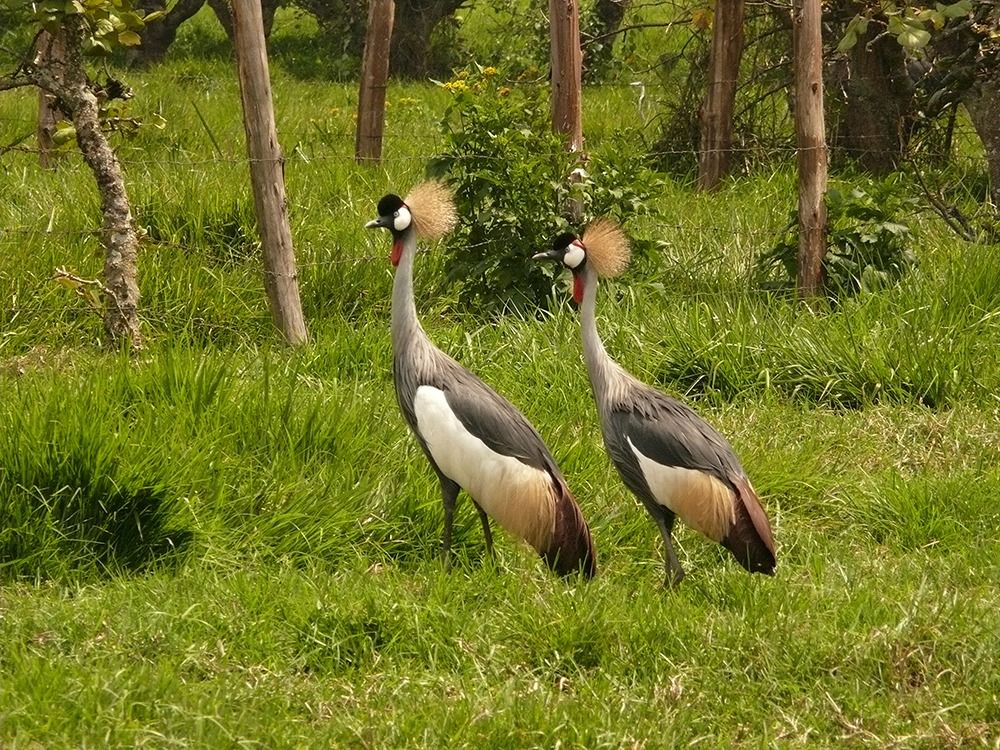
(401, 219)
(574, 255)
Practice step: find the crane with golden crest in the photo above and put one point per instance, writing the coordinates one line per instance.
(676, 463)
(473, 437)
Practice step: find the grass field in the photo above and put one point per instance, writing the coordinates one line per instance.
(225, 543)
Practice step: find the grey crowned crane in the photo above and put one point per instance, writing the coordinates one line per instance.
(474, 438)
(669, 457)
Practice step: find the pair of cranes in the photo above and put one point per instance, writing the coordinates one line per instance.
(672, 460)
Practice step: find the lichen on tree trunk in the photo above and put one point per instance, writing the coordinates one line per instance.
(68, 81)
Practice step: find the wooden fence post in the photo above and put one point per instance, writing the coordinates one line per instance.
(374, 78)
(716, 115)
(810, 136)
(267, 172)
(567, 78)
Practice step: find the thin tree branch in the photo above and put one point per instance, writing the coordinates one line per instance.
(951, 215)
(631, 27)
(10, 83)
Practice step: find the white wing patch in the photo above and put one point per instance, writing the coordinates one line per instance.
(703, 502)
(519, 497)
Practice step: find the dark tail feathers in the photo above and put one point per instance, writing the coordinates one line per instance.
(571, 549)
(750, 538)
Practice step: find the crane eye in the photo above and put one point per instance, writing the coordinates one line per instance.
(395, 214)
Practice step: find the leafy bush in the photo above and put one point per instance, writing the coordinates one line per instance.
(867, 242)
(510, 176)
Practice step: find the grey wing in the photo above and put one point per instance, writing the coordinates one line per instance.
(495, 421)
(671, 434)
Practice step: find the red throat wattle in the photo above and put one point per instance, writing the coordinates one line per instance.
(578, 288)
(397, 252)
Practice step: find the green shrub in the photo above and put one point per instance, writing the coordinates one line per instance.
(510, 174)
(867, 242)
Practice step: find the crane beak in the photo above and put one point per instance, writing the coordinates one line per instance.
(380, 222)
(547, 255)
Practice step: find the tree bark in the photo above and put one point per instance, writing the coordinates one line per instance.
(715, 147)
(567, 81)
(810, 134)
(159, 35)
(374, 78)
(224, 12)
(875, 128)
(608, 17)
(51, 55)
(68, 82)
(567, 64)
(411, 45)
(983, 105)
(267, 173)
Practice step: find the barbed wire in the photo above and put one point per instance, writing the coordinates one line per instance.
(294, 157)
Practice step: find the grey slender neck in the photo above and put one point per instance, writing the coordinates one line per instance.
(603, 371)
(404, 310)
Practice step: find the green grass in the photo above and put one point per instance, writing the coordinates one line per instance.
(221, 542)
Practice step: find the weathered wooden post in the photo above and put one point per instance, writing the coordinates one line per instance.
(716, 115)
(374, 78)
(810, 135)
(267, 172)
(567, 82)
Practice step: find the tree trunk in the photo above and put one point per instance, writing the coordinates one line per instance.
(567, 58)
(50, 55)
(69, 83)
(567, 77)
(716, 142)
(267, 173)
(810, 135)
(608, 17)
(224, 12)
(875, 127)
(983, 105)
(411, 43)
(374, 78)
(159, 35)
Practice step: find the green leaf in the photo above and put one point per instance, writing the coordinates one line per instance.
(849, 40)
(914, 38)
(957, 10)
(131, 20)
(129, 39)
(64, 133)
(156, 15)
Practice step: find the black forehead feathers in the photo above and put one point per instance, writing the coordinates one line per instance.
(563, 241)
(389, 204)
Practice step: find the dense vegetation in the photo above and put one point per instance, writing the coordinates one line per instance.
(223, 542)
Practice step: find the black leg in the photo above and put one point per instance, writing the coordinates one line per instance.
(485, 520)
(674, 571)
(449, 493)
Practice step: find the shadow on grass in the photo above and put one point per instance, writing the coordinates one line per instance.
(51, 531)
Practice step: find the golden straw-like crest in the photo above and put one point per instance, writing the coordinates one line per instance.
(608, 249)
(433, 209)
